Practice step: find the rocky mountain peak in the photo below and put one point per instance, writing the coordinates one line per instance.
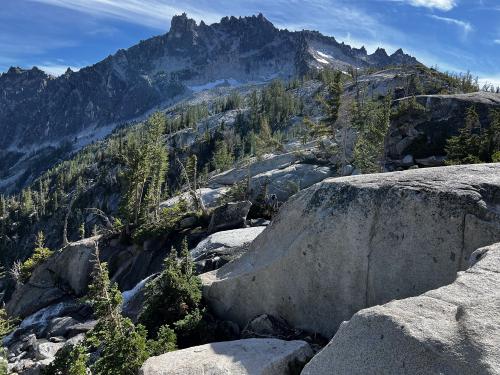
(380, 52)
(399, 51)
(181, 24)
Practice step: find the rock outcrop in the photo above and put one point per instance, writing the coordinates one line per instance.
(354, 242)
(422, 132)
(229, 216)
(451, 330)
(281, 175)
(64, 274)
(242, 357)
(222, 247)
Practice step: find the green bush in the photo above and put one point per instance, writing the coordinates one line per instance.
(173, 295)
(167, 222)
(70, 360)
(40, 255)
(166, 341)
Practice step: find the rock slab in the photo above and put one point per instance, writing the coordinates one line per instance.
(66, 273)
(241, 357)
(354, 242)
(453, 330)
(222, 247)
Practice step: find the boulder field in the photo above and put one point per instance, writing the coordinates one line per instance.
(351, 243)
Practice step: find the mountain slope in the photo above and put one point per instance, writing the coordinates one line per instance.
(40, 112)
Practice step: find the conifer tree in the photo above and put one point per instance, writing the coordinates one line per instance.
(464, 148)
(331, 102)
(122, 346)
(222, 158)
(82, 231)
(414, 86)
(6, 326)
(372, 121)
(159, 165)
(147, 163)
(493, 134)
(174, 294)
(27, 201)
(3, 206)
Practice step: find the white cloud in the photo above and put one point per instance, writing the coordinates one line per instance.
(465, 26)
(433, 4)
(151, 13)
(489, 80)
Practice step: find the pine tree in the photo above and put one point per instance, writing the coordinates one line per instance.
(372, 121)
(464, 148)
(147, 165)
(222, 158)
(174, 294)
(6, 326)
(414, 86)
(27, 201)
(331, 102)
(123, 346)
(159, 165)
(493, 134)
(3, 207)
(82, 230)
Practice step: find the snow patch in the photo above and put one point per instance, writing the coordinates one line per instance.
(322, 61)
(324, 55)
(128, 295)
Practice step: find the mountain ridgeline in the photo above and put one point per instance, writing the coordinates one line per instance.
(44, 118)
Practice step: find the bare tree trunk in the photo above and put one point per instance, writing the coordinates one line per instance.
(193, 191)
(66, 218)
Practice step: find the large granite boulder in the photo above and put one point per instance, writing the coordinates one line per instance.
(66, 273)
(354, 242)
(256, 166)
(281, 175)
(222, 247)
(242, 357)
(210, 197)
(283, 183)
(453, 330)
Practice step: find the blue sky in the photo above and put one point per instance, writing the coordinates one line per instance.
(455, 35)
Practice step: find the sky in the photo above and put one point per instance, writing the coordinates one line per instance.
(454, 35)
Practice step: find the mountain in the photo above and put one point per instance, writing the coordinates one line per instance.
(44, 118)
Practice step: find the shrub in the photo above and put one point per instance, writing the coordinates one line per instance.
(173, 295)
(166, 341)
(40, 255)
(70, 360)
